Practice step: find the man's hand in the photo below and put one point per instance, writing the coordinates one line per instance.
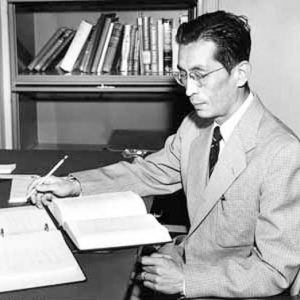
(52, 186)
(161, 273)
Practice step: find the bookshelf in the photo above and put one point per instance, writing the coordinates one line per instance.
(31, 23)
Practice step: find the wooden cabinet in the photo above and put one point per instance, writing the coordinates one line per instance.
(41, 100)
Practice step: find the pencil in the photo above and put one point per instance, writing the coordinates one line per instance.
(51, 172)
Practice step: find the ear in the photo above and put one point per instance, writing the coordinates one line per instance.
(242, 73)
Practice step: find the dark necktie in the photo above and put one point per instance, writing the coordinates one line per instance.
(214, 149)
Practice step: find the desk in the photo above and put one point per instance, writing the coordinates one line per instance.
(107, 273)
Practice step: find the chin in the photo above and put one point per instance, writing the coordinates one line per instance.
(203, 114)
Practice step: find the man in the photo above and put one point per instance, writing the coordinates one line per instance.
(238, 165)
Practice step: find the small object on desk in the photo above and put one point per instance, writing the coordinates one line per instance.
(7, 168)
(132, 153)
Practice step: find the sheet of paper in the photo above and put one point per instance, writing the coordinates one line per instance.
(36, 259)
(7, 168)
(24, 219)
(19, 187)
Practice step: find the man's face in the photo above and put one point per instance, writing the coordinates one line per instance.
(217, 98)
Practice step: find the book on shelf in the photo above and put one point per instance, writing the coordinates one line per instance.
(33, 252)
(133, 30)
(160, 47)
(76, 46)
(125, 49)
(140, 30)
(108, 220)
(153, 46)
(54, 49)
(94, 42)
(105, 47)
(83, 65)
(46, 47)
(167, 45)
(146, 52)
(183, 19)
(175, 48)
(136, 53)
(108, 19)
(58, 51)
(112, 47)
(79, 60)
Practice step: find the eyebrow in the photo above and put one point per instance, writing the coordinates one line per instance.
(200, 68)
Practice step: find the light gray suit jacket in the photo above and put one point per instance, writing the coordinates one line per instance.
(244, 239)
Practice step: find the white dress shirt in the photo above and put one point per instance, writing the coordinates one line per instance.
(227, 127)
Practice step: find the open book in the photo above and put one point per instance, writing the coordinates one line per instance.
(33, 252)
(108, 220)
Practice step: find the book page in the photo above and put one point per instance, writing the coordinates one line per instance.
(24, 219)
(36, 259)
(97, 206)
(117, 232)
(18, 190)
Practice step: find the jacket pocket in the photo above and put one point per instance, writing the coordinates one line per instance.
(235, 224)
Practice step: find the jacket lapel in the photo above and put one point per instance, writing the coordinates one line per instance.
(198, 167)
(231, 163)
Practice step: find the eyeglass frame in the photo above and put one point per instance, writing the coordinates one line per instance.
(198, 80)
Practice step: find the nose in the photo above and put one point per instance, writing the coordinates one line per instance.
(190, 88)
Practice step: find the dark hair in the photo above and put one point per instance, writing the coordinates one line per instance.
(230, 33)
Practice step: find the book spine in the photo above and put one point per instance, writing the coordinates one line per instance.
(67, 40)
(46, 47)
(81, 55)
(112, 47)
(183, 19)
(76, 46)
(140, 30)
(174, 50)
(136, 53)
(84, 62)
(102, 39)
(104, 51)
(131, 49)
(51, 51)
(125, 49)
(146, 45)
(153, 47)
(167, 30)
(160, 47)
(94, 42)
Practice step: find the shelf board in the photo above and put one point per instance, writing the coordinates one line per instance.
(93, 83)
(95, 80)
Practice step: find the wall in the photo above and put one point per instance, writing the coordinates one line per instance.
(275, 53)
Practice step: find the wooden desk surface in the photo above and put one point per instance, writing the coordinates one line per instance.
(108, 273)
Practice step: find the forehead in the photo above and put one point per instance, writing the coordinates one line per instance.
(199, 53)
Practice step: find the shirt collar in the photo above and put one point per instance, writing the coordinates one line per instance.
(227, 127)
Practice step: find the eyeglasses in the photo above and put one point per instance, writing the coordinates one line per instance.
(181, 77)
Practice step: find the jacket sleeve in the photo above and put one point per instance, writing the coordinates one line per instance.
(158, 173)
(274, 261)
